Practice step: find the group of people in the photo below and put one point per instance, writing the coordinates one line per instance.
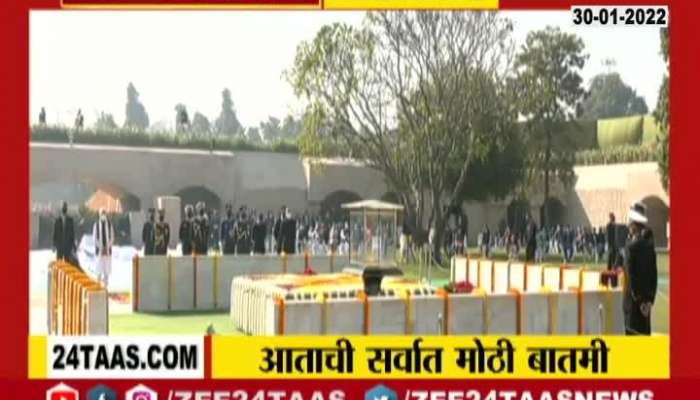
(241, 232)
(568, 241)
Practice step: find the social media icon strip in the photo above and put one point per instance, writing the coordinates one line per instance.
(62, 392)
(101, 392)
(141, 392)
(380, 392)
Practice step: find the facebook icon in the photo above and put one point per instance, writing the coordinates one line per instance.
(101, 392)
(380, 392)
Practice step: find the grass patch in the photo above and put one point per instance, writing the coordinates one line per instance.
(171, 323)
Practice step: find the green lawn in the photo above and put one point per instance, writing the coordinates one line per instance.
(173, 323)
(187, 323)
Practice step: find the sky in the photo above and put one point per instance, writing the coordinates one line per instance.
(86, 59)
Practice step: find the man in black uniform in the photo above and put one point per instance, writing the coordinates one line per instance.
(243, 235)
(640, 273)
(187, 231)
(277, 229)
(64, 235)
(162, 236)
(531, 242)
(288, 233)
(201, 230)
(258, 235)
(613, 250)
(148, 234)
(227, 232)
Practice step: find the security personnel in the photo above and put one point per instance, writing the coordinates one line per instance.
(187, 231)
(201, 230)
(258, 235)
(64, 235)
(243, 235)
(227, 232)
(640, 273)
(288, 233)
(148, 233)
(162, 234)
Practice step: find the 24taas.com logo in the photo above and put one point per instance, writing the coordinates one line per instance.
(380, 392)
(141, 392)
(101, 392)
(62, 392)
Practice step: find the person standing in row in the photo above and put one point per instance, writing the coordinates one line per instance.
(187, 231)
(162, 234)
(64, 235)
(228, 232)
(243, 235)
(103, 236)
(258, 234)
(277, 230)
(641, 275)
(612, 242)
(201, 230)
(288, 230)
(148, 233)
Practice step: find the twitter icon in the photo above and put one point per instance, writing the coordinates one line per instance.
(380, 392)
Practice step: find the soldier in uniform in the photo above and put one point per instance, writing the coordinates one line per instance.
(201, 230)
(641, 275)
(258, 235)
(64, 235)
(288, 231)
(162, 235)
(277, 230)
(228, 233)
(243, 235)
(148, 234)
(187, 231)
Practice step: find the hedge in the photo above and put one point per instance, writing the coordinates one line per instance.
(616, 155)
(620, 131)
(157, 139)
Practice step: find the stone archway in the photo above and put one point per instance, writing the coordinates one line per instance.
(194, 194)
(330, 206)
(657, 214)
(518, 214)
(556, 212)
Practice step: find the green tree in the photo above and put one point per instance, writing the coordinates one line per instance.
(182, 119)
(608, 97)
(253, 135)
(136, 115)
(416, 95)
(271, 129)
(201, 124)
(105, 122)
(291, 127)
(227, 123)
(548, 85)
(663, 117)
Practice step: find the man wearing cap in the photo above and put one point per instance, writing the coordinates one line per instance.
(103, 235)
(640, 273)
(148, 233)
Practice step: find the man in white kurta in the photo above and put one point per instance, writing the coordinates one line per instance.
(103, 235)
